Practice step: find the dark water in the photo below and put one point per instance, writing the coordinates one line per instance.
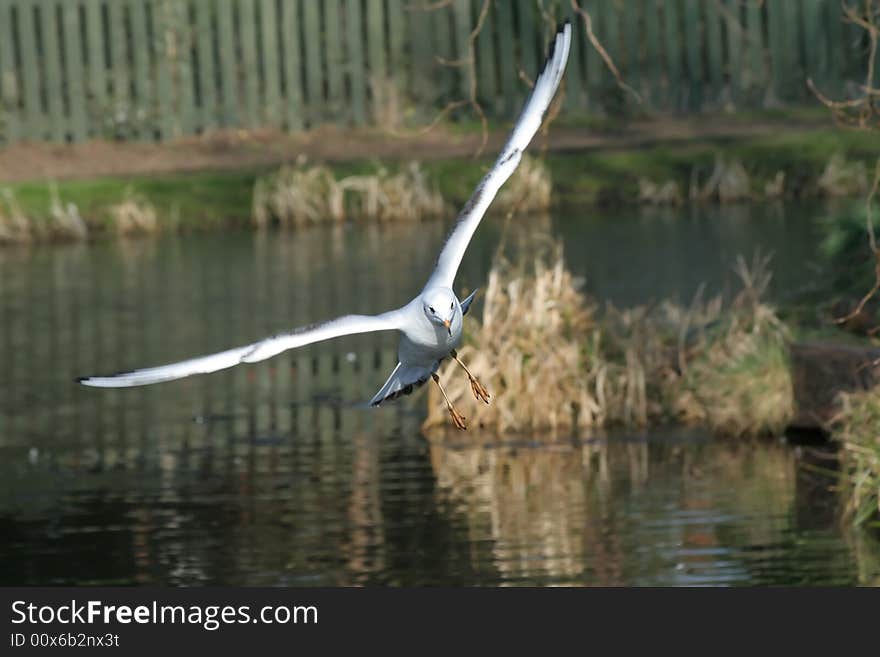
(269, 475)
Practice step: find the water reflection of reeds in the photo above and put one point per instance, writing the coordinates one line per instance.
(610, 514)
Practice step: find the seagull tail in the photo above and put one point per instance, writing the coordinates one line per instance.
(403, 380)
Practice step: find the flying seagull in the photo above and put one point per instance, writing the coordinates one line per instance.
(431, 324)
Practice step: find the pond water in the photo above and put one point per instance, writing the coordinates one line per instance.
(273, 475)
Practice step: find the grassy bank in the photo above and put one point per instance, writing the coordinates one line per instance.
(211, 200)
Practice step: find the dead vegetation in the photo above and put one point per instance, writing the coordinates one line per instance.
(554, 363)
(730, 182)
(302, 194)
(857, 429)
(134, 216)
(64, 222)
(842, 178)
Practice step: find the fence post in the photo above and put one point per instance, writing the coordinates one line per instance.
(335, 107)
(229, 87)
(206, 72)
(9, 112)
(247, 21)
(271, 70)
(140, 49)
(312, 38)
(52, 59)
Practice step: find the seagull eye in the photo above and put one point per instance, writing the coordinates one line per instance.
(451, 305)
(431, 308)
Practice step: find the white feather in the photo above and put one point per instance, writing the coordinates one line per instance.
(526, 126)
(251, 353)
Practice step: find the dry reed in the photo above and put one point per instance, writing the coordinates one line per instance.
(842, 178)
(134, 216)
(727, 183)
(301, 194)
(15, 226)
(553, 364)
(856, 427)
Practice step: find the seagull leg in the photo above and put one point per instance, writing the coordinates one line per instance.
(457, 418)
(476, 387)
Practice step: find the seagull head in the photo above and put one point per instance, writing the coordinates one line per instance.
(439, 305)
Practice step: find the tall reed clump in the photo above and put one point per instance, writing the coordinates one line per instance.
(857, 429)
(15, 226)
(65, 222)
(133, 216)
(528, 350)
(301, 194)
(734, 374)
(553, 362)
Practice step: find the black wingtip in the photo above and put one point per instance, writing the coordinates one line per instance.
(81, 379)
(560, 28)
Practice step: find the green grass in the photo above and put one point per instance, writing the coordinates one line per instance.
(206, 200)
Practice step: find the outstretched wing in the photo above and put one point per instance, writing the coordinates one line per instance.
(348, 325)
(526, 127)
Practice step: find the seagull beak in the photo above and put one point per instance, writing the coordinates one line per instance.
(448, 325)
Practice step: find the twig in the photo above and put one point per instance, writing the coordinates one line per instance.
(588, 24)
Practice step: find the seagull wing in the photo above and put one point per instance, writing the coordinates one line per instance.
(348, 325)
(526, 126)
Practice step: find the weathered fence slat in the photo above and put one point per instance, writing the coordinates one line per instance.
(574, 75)
(486, 79)
(247, 22)
(654, 86)
(422, 85)
(271, 68)
(755, 70)
(52, 59)
(694, 61)
(292, 59)
(714, 55)
(312, 39)
(97, 71)
(9, 101)
(73, 61)
(461, 10)
(632, 36)
(506, 57)
(443, 50)
(396, 46)
(204, 33)
(228, 74)
(733, 28)
(357, 71)
(335, 106)
(34, 119)
(140, 50)
(672, 46)
(529, 31)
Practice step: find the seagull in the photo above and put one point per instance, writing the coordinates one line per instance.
(430, 325)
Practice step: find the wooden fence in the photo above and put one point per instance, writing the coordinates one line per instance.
(71, 70)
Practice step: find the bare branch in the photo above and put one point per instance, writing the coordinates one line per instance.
(609, 63)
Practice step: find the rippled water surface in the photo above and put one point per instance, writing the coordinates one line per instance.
(272, 475)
